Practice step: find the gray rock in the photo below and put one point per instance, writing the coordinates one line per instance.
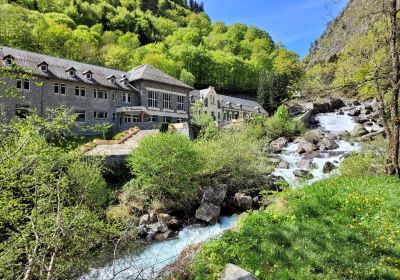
(306, 147)
(327, 144)
(208, 212)
(359, 130)
(300, 173)
(305, 163)
(343, 135)
(163, 218)
(354, 113)
(214, 194)
(243, 201)
(144, 220)
(279, 143)
(157, 227)
(150, 236)
(153, 218)
(283, 165)
(233, 272)
(165, 235)
(328, 167)
(174, 224)
(336, 104)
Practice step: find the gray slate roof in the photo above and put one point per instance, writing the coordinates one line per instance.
(150, 73)
(247, 105)
(57, 69)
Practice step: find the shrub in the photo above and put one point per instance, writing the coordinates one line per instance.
(234, 152)
(340, 228)
(163, 127)
(164, 166)
(281, 124)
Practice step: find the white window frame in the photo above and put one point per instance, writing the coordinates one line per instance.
(71, 73)
(166, 100)
(95, 93)
(78, 112)
(181, 103)
(77, 90)
(56, 88)
(152, 98)
(44, 68)
(18, 84)
(63, 89)
(82, 91)
(152, 119)
(126, 97)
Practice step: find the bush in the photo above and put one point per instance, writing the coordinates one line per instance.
(163, 127)
(164, 166)
(232, 151)
(340, 228)
(281, 124)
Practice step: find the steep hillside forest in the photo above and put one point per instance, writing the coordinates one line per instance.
(351, 57)
(173, 35)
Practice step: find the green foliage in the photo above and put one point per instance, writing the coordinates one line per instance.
(281, 124)
(234, 152)
(166, 34)
(51, 201)
(340, 228)
(163, 166)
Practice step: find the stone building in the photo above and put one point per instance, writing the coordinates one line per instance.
(141, 97)
(225, 108)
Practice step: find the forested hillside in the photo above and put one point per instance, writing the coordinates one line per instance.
(353, 48)
(173, 35)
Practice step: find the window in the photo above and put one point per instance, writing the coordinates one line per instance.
(113, 117)
(71, 72)
(106, 95)
(219, 116)
(83, 91)
(21, 111)
(166, 101)
(179, 120)
(113, 96)
(95, 114)
(205, 112)
(152, 118)
(43, 68)
(95, 93)
(76, 90)
(152, 99)
(89, 76)
(19, 84)
(112, 80)
(224, 116)
(219, 104)
(56, 88)
(100, 94)
(212, 97)
(206, 102)
(100, 115)
(62, 89)
(126, 97)
(167, 119)
(213, 115)
(181, 101)
(80, 116)
(24, 84)
(8, 61)
(135, 119)
(128, 119)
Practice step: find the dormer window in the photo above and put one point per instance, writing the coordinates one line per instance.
(124, 81)
(8, 60)
(71, 71)
(88, 74)
(228, 104)
(44, 67)
(112, 79)
(239, 106)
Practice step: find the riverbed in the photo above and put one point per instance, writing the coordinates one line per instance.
(153, 258)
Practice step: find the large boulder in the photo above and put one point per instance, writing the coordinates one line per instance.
(208, 212)
(242, 201)
(328, 167)
(233, 272)
(279, 143)
(327, 144)
(304, 174)
(214, 194)
(336, 104)
(328, 106)
(354, 113)
(359, 130)
(305, 163)
(144, 220)
(306, 147)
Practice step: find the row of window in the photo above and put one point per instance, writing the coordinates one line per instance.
(136, 119)
(166, 100)
(81, 116)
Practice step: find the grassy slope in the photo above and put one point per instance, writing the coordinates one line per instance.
(336, 229)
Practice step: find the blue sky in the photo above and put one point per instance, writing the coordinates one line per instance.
(295, 23)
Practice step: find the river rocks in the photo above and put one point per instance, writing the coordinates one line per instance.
(305, 163)
(358, 130)
(214, 194)
(328, 167)
(242, 201)
(306, 147)
(233, 272)
(163, 218)
(328, 106)
(283, 165)
(279, 144)
(354, 112)
(327, 144)
(174, 224)
(208, 212)
(300, 173)
(144, 220)
(343, 135)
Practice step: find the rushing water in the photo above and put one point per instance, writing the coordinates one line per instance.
(148, 263)
(330, 124)
(156, 256)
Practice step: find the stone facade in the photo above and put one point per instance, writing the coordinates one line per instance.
(98, 95)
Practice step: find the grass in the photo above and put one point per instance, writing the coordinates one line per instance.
(339, 228)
